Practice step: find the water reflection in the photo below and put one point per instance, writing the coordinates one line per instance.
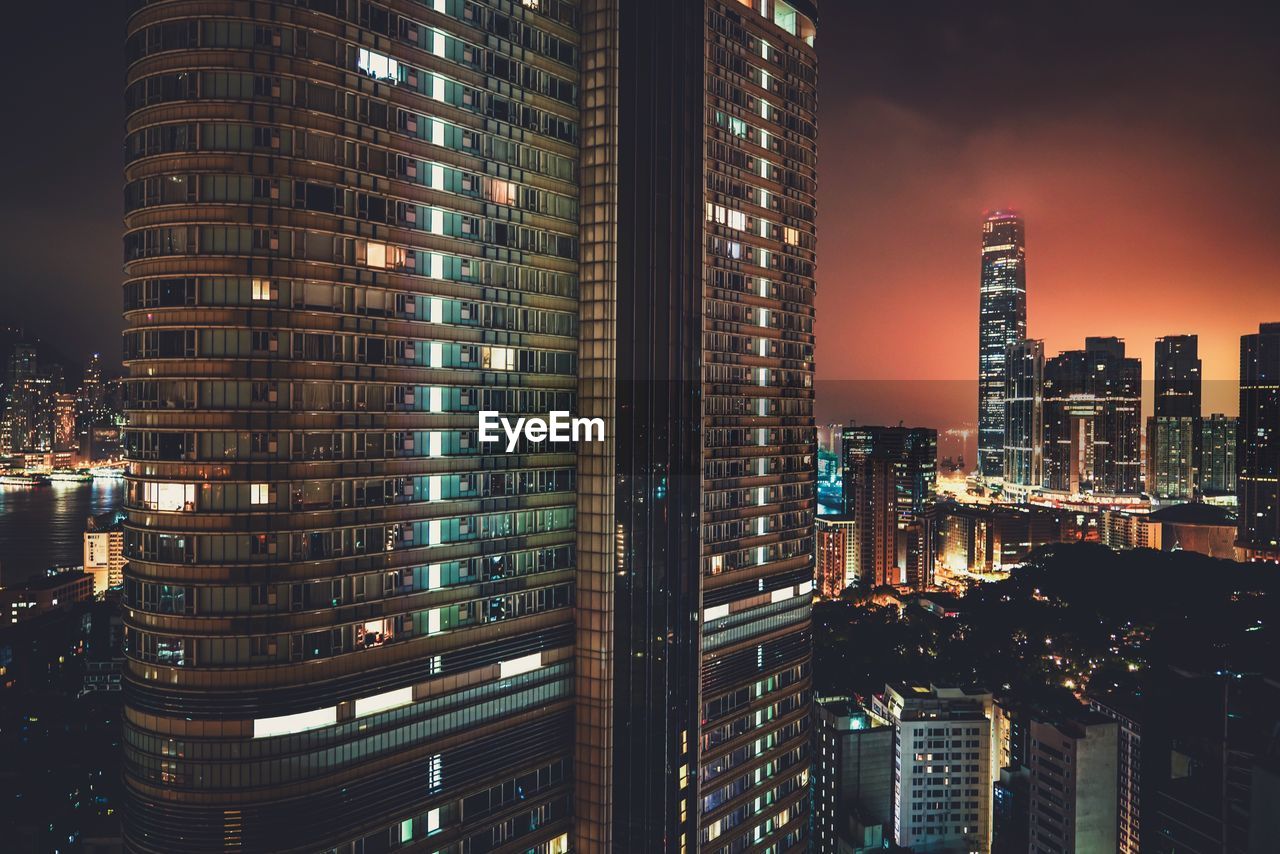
(43, 526)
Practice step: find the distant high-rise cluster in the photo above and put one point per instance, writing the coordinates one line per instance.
(1093, 420)
(1070, 426)
(890, 475)
(41, 418)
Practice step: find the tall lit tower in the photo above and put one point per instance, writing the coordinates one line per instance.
(696, 532)
(1002, 321)
(1258, 445)
(350, 226)
(1024, 417)
(1173, 431)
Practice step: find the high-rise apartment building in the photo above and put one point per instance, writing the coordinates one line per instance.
(1024, 418)
(64, 421)
(28, 417)
(1217, 473)
(1173, 431)
(1173, 443)
(1258, 445)
(104, 552)
(852, 778)
(944, 759)
(350, 227)
(1128, 769)
(92, 407)
(1093, 420)
(1002, 321)
(890, 476)
(1177, 376)
(836, 567)
(1210, 780)
(1073, 764)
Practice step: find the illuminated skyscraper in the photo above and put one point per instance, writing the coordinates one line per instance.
(1002, 321)
(835, 569)
(1217, 474)
(1093, 420)
(1173, 431)
(349, 227)
(890, 475)
(697, 347)
(64, 421)
(1258, 444)
(1177, 376)
(1024, 417)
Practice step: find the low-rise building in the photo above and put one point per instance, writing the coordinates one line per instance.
(1208, 529)
(44, 594)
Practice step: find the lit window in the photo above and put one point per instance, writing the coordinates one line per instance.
(172, 497)
(497, 358)
(259, 493)
(376, 65)
(300, 722)
(784, 16)
(262, 289)
(373, 633)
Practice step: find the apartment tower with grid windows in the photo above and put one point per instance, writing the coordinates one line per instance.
(351, 226)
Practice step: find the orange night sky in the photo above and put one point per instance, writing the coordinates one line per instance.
(1144, 159)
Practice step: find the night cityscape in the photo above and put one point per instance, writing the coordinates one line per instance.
(724, 426)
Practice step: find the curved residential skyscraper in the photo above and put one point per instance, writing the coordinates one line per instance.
(351, 226)
(1002, 321)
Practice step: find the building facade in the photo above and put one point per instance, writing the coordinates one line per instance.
(1258, 445)
(1074, 776)
(1093, 421)
(1024, 418)
(836, 545)
(1128, 770)
(890, 478)
(852, 779)
(1217, 474)
(945, 754)
(350, 227)
(1173, 431)
(1002, 321)
(1173, 443)
(1178, 379)
(966, 541)
(104, 552)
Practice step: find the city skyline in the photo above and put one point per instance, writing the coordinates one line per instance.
(315, 555)
(1089, 142)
